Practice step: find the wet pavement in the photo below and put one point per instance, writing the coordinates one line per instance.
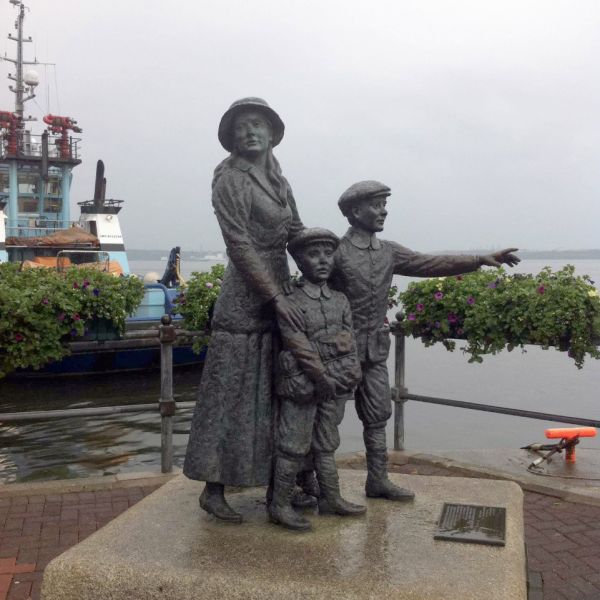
(40, 521)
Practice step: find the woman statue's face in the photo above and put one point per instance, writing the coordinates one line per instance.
(252, 134)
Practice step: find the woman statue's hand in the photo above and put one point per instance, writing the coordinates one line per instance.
(288, 312)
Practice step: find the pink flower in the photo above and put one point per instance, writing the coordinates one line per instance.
(75, 285)
(61, 317)
(420, 307)
(209, 285)
(86, 283)
(45, 301)
(412, 317)
(541, 289)
(452, 318)
(19, 337)
(438, 296)
(76, 317)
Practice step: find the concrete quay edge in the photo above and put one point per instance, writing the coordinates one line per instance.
(545, 486)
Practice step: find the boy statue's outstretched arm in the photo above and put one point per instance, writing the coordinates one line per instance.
(416, 264)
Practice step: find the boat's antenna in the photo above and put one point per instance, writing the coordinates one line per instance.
(25, 83)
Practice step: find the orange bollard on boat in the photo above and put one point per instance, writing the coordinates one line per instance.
(570, 436)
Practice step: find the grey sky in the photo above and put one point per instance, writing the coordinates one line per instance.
(482, 116)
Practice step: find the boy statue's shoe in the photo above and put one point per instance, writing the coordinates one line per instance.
(384, 488)
(339, 506)
(215, 504)
(280, 508)
(302, 500)
(287, 517)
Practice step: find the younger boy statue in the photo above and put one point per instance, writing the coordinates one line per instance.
(318, 372)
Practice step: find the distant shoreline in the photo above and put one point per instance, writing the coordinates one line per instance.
(138, 254)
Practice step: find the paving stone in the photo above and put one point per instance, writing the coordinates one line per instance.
(544, 516)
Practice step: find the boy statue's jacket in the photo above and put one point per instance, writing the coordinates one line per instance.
(325, 346)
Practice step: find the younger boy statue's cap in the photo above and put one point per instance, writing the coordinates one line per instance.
(312, 235)
(363, 190)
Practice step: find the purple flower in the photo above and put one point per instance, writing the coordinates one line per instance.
(471, 300)
(411, 317)
(420, 307)
(493, 285)
(73, 332)
(438, 296)
(541, 289)
(19, 337)
(96, 292)
(45, 301)
(452, 318)
(437, 324)
(86, 283)
(209, 285)
(75, 285)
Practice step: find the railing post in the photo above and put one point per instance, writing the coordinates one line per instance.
(399, 388)
(166, 332)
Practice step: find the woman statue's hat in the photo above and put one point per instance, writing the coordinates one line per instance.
(258, 104)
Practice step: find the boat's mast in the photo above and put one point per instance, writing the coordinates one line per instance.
(21, 88)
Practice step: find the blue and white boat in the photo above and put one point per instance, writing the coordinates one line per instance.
(36, 228)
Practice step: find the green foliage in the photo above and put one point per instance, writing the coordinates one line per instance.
(41, 310)
(492, 310)
(196, 301)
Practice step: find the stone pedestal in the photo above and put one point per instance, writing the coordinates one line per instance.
(167, 548)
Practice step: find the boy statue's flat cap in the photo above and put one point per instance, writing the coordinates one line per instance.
(362, 190)
(311, 235)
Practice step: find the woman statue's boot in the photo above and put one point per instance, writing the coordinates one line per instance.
(378, 485)
(212, 500)
(280, 508)
(330, 501)
(308, 492)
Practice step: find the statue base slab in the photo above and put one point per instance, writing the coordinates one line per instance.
(165, 547)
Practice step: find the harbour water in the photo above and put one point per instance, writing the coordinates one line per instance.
(537, 380)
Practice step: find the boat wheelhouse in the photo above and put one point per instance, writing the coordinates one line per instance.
(36, 171)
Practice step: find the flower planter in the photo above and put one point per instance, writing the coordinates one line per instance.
(493, 311)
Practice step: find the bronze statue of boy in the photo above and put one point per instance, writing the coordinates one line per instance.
(318, 373)
(363, 271)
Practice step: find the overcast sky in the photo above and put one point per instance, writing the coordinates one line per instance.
(482, 116)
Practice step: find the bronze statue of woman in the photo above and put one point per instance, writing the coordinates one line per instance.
(231, 437)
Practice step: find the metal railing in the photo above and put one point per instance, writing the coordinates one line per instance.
(40, 227)
(400, 395)
(30, 146)
(166, 406)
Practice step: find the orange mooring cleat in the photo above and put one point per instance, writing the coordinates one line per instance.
(570, 437)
